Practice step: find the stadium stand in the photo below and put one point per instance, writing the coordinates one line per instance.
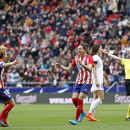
(46, 31)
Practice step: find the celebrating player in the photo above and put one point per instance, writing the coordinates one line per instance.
(126, 64)
(84, 63)
(5, 96)
(97, 76)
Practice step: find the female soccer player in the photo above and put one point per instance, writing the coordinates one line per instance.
(84, 63)
(97, 76)
(25, 2)
(126, 64)
(5, 96)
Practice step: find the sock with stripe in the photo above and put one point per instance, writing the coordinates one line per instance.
(79, 109)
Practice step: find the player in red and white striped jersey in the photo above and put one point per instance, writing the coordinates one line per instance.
(84, 63)
(5, 96)
(84, 76)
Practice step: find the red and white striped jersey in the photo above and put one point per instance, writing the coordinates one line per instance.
(1, 75)
(84, 76)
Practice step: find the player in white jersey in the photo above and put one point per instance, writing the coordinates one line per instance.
(5, 96)
(97, 76)
(84, 63)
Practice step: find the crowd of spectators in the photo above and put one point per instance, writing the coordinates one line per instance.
(46, 31)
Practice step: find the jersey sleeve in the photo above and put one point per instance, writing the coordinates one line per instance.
(1, 64)
(91, 61)
(73, 63)
(95, 58)
(123, 61)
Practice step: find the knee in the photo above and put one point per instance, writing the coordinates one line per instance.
(12, 102)
(102, 98)
(82, 97)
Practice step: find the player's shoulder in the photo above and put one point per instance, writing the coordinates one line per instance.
(1, 63)
(124, 61)
(88, 56)
(96, 57)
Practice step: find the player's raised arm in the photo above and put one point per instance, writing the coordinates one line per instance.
(112, 56)
(15, 62)
(69, 68)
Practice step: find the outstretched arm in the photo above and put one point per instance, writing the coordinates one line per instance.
(112, 56)
(24, 3)
(69, 68)
(5, 65)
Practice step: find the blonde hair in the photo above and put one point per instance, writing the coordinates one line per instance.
(2, 51)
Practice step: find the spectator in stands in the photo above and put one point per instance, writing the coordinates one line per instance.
(14, 76)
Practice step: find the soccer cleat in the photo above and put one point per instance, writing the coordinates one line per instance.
(2, 123)
(89, 119)
(90, 116)
(74, 122)
(7, 125)
(82, 115)
(128, 118)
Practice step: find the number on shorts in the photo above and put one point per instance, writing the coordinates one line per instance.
(6, 92)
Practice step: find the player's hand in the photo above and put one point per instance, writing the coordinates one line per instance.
(79, 61)
(105, 51)
(105, 83)
(58, 65)
(16, 61)
(97, 84)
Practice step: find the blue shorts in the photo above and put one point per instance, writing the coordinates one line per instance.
(82, 88)
(4, 95)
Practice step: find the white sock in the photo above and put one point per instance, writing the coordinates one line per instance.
(94, 105)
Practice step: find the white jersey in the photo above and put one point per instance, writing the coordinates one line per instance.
(99, 69)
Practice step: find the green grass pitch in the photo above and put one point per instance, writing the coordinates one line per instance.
(55, 117)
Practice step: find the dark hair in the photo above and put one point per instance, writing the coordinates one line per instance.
(85, 46)
(95, 48)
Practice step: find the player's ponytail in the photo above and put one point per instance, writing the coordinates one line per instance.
(95, 48)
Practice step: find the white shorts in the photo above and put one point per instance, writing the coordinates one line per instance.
(94, 88)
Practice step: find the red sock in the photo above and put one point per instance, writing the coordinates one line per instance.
(79, 109)
(5, 118)
(75, 101)
(6, 110)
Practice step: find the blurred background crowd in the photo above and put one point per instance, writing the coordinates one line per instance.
(46, 31)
